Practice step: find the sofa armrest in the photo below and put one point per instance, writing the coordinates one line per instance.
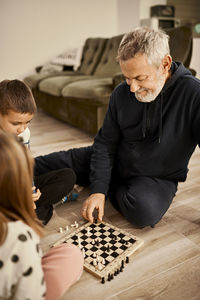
(117, 79)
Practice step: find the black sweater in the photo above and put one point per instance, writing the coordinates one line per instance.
(153, 139)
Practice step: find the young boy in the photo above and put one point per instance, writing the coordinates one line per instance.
(17, 109)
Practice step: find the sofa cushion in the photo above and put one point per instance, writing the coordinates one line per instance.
(92, 52)
(108, 65)
(54, 85)
(98, 89)
(33, 80)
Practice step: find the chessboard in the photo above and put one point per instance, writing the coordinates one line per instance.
(106, 248)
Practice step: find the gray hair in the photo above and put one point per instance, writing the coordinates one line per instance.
(153, 43)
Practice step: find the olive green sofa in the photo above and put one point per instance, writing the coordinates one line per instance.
(80, 98)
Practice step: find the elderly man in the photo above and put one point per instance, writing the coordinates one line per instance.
(148, 136)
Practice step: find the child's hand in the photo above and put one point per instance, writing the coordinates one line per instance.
(35, 195)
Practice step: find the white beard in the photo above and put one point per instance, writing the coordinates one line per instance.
(149, 97)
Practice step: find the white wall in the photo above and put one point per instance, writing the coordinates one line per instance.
(128, 15)
(34, 31)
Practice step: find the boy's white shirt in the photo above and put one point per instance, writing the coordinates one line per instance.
(26, 136)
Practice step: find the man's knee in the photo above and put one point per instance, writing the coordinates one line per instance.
(141, 211)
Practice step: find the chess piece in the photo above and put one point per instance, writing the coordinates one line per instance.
(122, 264)
(127, 260)
(103, 280)
(83, 251)
(100, 267)
(94, 262)
(76, 224)
(79, 243)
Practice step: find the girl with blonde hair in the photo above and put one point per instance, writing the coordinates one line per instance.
(24, 272)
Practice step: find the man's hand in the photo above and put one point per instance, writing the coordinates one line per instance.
(35, 195)
(93, 201)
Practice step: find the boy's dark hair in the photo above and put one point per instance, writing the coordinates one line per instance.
(16, 95)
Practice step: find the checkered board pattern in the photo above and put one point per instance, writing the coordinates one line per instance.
(121, 245)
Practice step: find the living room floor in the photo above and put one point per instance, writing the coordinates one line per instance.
(166, 267)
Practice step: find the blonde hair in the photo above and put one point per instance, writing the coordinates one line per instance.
(16, 172)
(153, 43)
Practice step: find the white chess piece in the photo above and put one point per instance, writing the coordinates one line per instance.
(79, 243)
(94, 262)
(100, 267)
(83, 251)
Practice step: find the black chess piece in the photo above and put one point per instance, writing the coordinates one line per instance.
(122, 264)
(127, 260)
(102, 280)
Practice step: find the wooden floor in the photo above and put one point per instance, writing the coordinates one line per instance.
(167, 266)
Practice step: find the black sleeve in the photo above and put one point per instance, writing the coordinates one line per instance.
(104, 150)
(196, 117)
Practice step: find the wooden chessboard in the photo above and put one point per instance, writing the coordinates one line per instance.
(106, 247)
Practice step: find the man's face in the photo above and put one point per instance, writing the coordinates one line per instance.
(15, 122)
(144, 79)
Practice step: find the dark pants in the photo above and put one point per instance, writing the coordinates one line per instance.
(141, 200)
(54, 185)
